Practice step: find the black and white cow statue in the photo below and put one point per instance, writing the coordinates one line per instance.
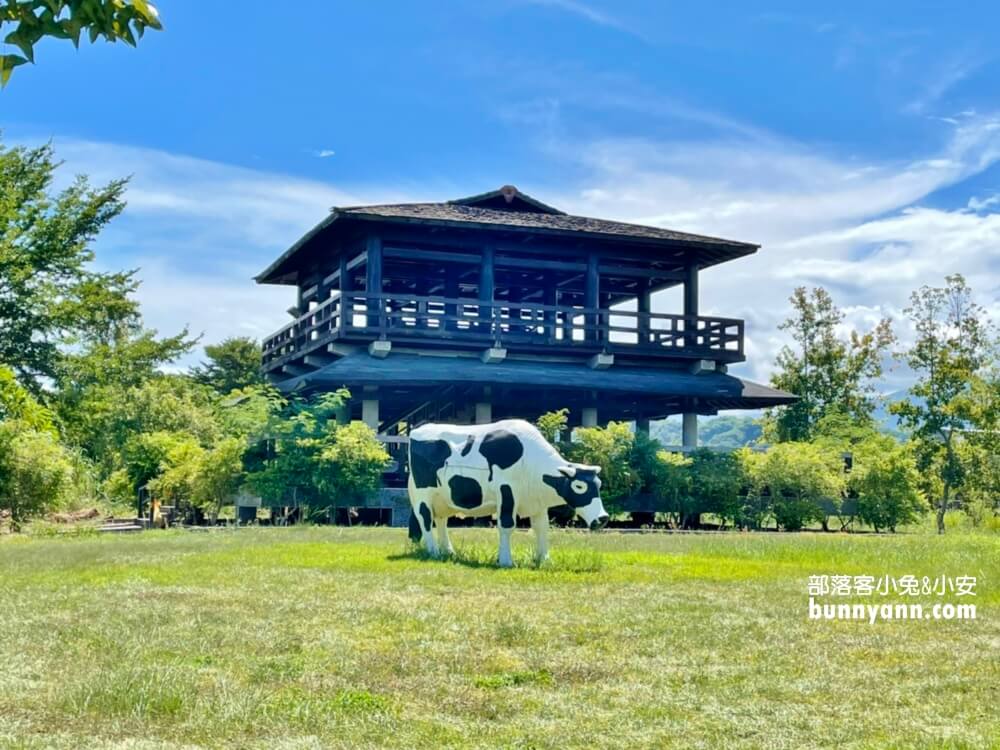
(506, 469)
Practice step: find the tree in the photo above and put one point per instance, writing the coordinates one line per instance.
(48, 293)
(36, 471)
(232, 364)
(949, 356)
(350, 470)
(610, 448)
(16, 403)
(716, 481)
(885, 480)
(218, 476)
(828, 373)
(114, 20)
(313, 460)
(552, 424)
(798, 479)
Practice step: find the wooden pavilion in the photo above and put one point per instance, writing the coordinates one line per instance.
(499, 305)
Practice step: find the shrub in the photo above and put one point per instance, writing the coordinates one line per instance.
(36, 472)
(797, 479)
(351, 468)
(610, 448)
(886, 482)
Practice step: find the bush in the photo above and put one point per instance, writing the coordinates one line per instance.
(36, 472)
(610, 448)
(716, 482)
(351, 468)
(886, 482)
(797, 479)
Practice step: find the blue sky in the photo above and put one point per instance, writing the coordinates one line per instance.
(858, 142)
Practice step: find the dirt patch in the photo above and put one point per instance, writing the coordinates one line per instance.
(74, 516)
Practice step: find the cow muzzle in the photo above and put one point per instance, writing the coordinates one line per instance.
(600, 522)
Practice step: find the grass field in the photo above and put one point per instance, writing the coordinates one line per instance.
(326, 637)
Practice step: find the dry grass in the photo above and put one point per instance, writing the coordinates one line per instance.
(310, 638)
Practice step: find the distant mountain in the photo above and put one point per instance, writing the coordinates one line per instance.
(889, 422)
(714, 432)
(732, 432)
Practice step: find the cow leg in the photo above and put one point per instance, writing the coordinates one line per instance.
(540, 525)
(421, 524)
(506, 520)
(444, 543)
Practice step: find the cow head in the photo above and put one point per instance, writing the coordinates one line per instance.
(580, 487)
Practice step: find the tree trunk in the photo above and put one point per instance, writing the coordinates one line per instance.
(943, 507)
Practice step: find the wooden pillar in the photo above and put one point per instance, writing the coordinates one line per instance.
(344, 413)
(588, 416)
(689, 430)
(644, 301)
(592, 296)
(550, 297)
(346, 303)
(451, 291)
(691, 290)
(642, 426)
(369, 411)
(487, 285)
(484, 412)
(373, 282)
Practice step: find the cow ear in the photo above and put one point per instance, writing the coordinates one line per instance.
(567, 471)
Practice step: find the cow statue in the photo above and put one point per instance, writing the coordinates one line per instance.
(506, 469)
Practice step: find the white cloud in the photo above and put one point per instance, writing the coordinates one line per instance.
(199, 230)
(324, 153)
(852, 226)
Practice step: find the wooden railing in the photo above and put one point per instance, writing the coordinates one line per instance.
(364, 317)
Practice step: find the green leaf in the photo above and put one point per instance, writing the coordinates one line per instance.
(149, 13)
(7, 65)
(21, 38)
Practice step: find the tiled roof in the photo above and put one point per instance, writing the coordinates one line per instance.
(460, 214)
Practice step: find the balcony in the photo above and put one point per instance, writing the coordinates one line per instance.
(359, 318)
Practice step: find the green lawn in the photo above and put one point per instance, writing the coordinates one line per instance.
(325, 637)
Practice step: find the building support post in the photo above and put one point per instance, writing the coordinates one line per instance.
(369, 411)
(451, 291)
(550, 298)
(346, 302)
(642, 426)
(592, 297)
(344, 413)
(486, 287)
(689, 430)
(373, 283)
(484, 412)
(588, 416)
(644, 305)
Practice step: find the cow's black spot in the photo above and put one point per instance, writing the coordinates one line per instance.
(468, 445)
(426, 457)
(416, 533)
(425, 514)
(564, 486)
(501, 448)
(506, 506)
(465, 492)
